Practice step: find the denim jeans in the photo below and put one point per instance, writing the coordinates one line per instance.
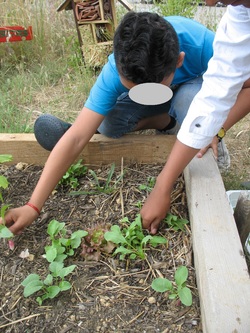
(126, 114)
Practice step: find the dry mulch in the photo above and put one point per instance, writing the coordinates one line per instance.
(109, 295)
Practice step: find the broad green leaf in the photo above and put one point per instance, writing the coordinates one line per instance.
(146, 239)
(64, 285)
(65, 241)
(60, 257)
(53, 291)
(32, 287)
(123, 250)
(161, 285)
(76, 238)
(3, 182)
(55, 227)
(57, 245)
(137, 222)
(66, 271)
(3, 211)
(5, 232)
(132, 256)
(51, 253)
(5, 158)
(55, 267)
(186, 296)
(173, 296)
(156, 240)
(124, 220)
(181, 275)
(49, 280)
(70, 252)
(79, 234)
(115, 235)
(76, 242)
(29, 278)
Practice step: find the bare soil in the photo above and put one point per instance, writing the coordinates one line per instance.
(108, 295)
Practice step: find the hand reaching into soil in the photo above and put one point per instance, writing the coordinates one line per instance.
(18, 219)
(155, 209)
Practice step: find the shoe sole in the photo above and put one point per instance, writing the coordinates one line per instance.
(48, 130)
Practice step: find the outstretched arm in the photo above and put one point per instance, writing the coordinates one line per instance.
(158, 202)
(62, 156)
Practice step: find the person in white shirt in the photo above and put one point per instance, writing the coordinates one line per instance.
(212, 110)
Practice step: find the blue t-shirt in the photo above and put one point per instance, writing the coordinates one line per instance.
(195, 40)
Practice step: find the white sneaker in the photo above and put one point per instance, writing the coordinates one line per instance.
(223, 160)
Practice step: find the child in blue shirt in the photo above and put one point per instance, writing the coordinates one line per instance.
(109, 96)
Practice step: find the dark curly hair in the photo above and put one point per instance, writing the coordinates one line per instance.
(146, 47)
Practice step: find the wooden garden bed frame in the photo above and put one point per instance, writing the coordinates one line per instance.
(221, 270)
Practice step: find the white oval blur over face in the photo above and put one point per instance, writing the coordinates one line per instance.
(150, 93)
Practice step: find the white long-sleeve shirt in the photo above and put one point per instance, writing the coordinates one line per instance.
(227, 71)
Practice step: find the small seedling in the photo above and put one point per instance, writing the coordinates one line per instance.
(149, 186)
(52, 285)
(101, 186)
(61, 246)
(60, 249)
(178, 289)
(94, 244)
(139, 204)
(71, 177)
(175, 222)
(130, 240)
(4, 231)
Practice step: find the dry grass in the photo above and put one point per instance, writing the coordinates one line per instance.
(238, 143)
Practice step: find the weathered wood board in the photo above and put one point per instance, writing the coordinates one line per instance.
(221, 269)
(100, 150)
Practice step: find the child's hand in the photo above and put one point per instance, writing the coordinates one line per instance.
(155, 209)
(18, 219)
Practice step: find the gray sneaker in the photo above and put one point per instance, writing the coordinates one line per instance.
(172, 131)
(223, 160)
(48, 130)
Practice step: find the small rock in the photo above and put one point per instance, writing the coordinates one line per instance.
(151, 300)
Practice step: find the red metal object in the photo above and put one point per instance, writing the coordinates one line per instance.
(15, 34)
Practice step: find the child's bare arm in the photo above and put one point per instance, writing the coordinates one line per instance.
(62, 156)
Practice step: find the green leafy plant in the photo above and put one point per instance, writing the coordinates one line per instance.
(61, 246)
(71, 177)
(4, 231)
(52, 285)
(175, 222)
(108, 186)
(94, 244)
(60, 249)
(178, 289)
(150, 184)
(130, 240)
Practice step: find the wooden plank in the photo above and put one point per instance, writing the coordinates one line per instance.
(100, 150)
(64, 5)
(222, 275)
(126, 4)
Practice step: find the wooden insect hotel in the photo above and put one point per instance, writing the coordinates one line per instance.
(96, 22)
